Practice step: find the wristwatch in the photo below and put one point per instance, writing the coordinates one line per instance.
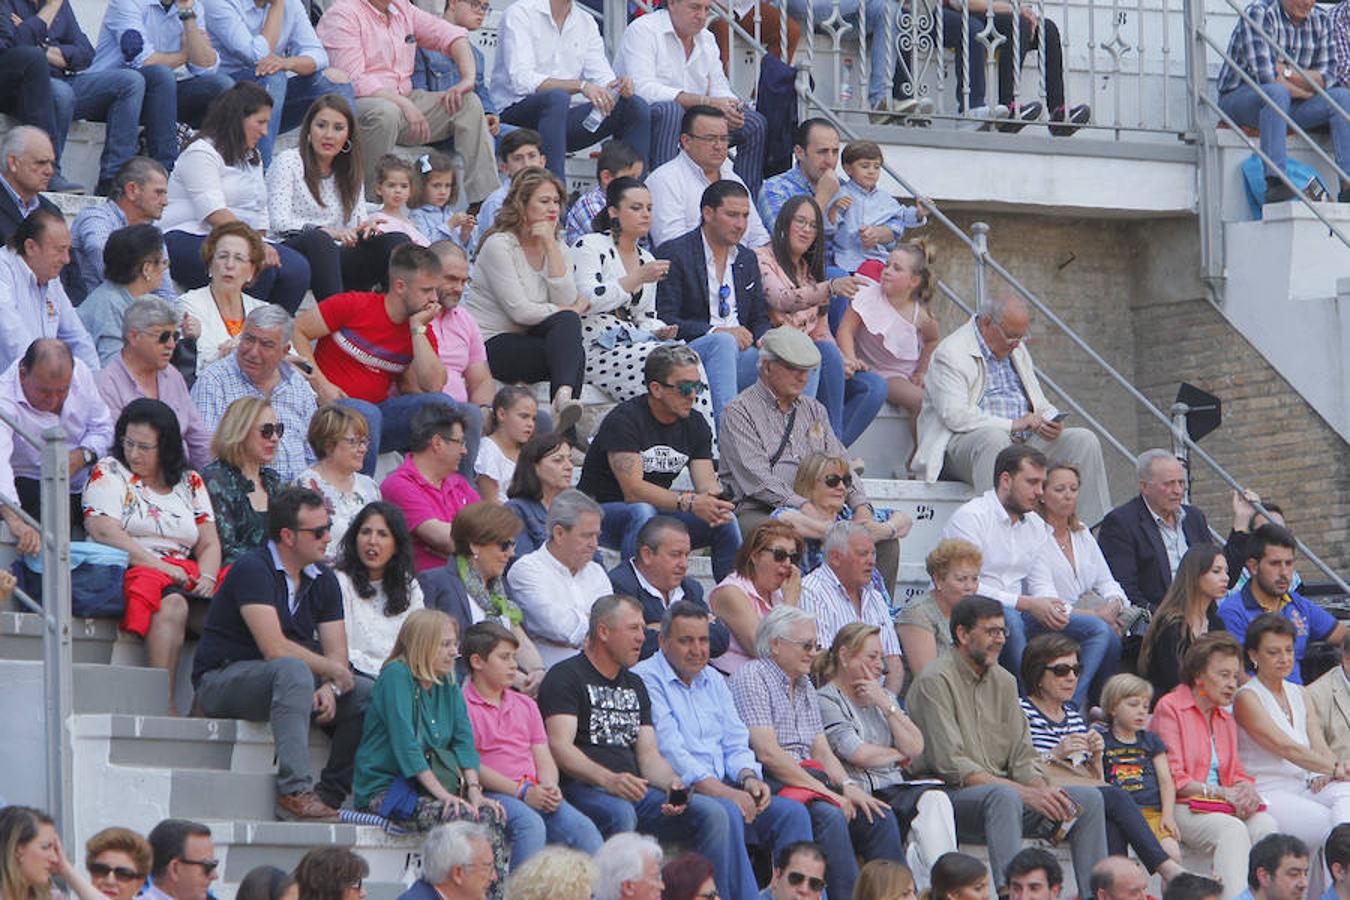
(419, 329)
(89, 456)
(1287, 72)
(185, 14)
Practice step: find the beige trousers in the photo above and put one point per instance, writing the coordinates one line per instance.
(1228, 838)
(382, 126)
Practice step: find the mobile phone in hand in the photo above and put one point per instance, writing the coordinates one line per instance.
(678, 796)
(1059, 417)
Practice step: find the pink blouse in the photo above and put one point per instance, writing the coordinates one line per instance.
(805, 307)
(736, 656)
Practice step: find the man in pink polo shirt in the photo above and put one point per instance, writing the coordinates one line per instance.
(516, 766)
(426, 486)
(375, 42)
(458, 340)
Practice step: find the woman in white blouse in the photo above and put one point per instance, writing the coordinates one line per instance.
(1075, 561)
(219, 178)
(618, 278)
(339, 437)
(234, 255)
(379, 584)
(524, 299)
(316, 198)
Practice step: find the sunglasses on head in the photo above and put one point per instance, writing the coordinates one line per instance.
(686, 388)
(833, 481)
(121, 873)
(780, 555)
(723, 306)
(1063, 669)
(796, 878)
(271, 430)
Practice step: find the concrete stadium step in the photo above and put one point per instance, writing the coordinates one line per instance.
(227, 745)
(21, 638)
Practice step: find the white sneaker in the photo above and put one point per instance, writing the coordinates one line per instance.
(984, 118)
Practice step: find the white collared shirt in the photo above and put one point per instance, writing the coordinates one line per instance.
(532, 48)
(556, 603)
(1173, 536)
(677, 187)
(29, 311)
(1087, 572)
(652, 54)
(675, 596)
(715, 284)
(1014, 550)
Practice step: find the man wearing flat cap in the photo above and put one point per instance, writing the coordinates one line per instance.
(771, 427)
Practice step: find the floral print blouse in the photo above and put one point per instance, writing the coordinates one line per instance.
(165, 524)
(242, 528)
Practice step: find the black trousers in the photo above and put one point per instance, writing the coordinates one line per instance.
(334, 268)
(552, 349)
(30, 498)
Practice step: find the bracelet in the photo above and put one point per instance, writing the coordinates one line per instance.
(523, 786)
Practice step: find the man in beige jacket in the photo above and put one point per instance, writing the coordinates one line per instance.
(1330, 697)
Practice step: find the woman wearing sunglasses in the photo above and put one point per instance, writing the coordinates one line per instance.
(339, 437)
(1073, 753)
(471, 589)
(118, 859)
(241, 481)
(145, 500)
(379, 585)
(768, 574)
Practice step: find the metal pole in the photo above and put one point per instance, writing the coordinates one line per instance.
(57, 669)
(980, 232)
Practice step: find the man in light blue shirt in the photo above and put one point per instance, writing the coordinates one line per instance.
(165, 42)
(33, 304)
(137, 196)
(272, 43)
(702, 737)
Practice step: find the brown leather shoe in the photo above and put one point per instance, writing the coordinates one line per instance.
(304, 806)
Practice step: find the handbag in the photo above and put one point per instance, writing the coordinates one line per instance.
(96, 573)
(1085, 773)
(400, 798)
(1214, 805)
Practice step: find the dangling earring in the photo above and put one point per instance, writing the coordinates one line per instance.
(347, 147)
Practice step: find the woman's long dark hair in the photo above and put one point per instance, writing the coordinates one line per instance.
(400, 570)
(604, 222)
(347, 165)
(814, 257)
(525, 482)
(224, 122)
(1174, 605)
(173, 463)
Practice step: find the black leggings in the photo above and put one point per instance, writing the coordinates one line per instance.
(334, 268)
(1126, 825)
(552, 349)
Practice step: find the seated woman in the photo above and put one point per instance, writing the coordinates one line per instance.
(240, 481)
(543, 471)
(523, 297)
(1073, 752)
(767, 576)
(511, 425)
(470, 587)
(35, 856)
(219, 178)
(417, 754)
(330, 873)
(875, 740)
(924, 624)
(1188, 611)
(316, 199)
(339, 437)
(145, 500)
(793, 267)
(234, 254)
(133, 266)
(1281, 744)
(379, 586)
(118, 861)
(1202, 752)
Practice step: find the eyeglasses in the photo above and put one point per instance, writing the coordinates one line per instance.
(833, 481)
(995, 631)
(477, 7)
(318, 530)
(361, 442)
(723, 304)
(208, 865)
(131, 446)
(713, 140)
(804, 222)
(815, 884)
(165, 337)
(271, 430)
(1064, 669)
(686, 388)
(121, 873)
(807, 646)
(781, 555)
(222, 256)
(1011, 338)
(452, 440)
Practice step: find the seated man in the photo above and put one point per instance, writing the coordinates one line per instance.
(468, 382)
(274, 649)
(1304, 32)
(556, 585)
(428, 486)
(771, 427)
(616, 160)
(137, 196)
(1277, 869)
(362, 345)
(161, 42)
(599, 721)
(26, 94)
(673, 61)
(434, 71)
(700, 734)
(656, 576)
(843, 591)
(551, 74)
(628, 866)
(713, 292)
(142, 369)
(49, 388)
(642, 445)
(258, 368)
(272, 43)
(375, 42)
(798, 873)
(982, 393)
(1246, 520)
(1270, 562)
(33, 303)
(179, 848)
(1014, 541)
(976, 739)
(815, 147)
(776, 701)
(1329, 696)
(27, 164)
(457, 863)
(677, 185)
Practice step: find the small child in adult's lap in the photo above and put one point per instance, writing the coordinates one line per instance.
(1135, 760)
(865, 222)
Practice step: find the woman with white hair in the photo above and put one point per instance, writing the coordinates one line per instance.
(554, 873)
(628, 860)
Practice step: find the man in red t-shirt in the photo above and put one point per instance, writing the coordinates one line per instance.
(364, 345)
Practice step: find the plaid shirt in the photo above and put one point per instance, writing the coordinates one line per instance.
(221, 383)
(579, 217)
(780, 189)
(1003, 395)
(1340, 42)
(760, 690)
(1310, 43)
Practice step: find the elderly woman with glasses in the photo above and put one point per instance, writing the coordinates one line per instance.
(145, 500)
(241, 480)
(117, 859)
(339, 437)
(233, 254)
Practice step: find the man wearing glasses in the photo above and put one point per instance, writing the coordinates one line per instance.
(184, 863)
(640, 448)
(798, 873)
(274, 649)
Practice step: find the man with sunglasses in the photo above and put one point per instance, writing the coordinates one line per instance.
(798, 873)
(640, 448)
(183, 863)
(274, 649)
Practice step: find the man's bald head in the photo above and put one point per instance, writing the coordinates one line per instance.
(1119, 878)
(28, 160)
(45, 373)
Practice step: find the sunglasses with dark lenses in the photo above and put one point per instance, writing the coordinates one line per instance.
(207, 865)
(272, 430)
(1063, 669)
(815, 884)
(165, 336)
(833, 481)
(780, 555)
(723, 306)
(318, 530)
(687, 388)
(121, 873)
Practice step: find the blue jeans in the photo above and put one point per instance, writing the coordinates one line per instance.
(112, 96)
(861, 14)
(703, 825)
(731, 370)
(622, 522)
(169, 101)
(390, 425)
(851, 402)
(528, 830)
(560, 124)
(782, 822)
(285, 285)
(843, 841)
(291, 98)
(1246, 107)
(1098, 649)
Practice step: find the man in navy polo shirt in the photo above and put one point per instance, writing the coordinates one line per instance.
(275, 649)
(1270, 562)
